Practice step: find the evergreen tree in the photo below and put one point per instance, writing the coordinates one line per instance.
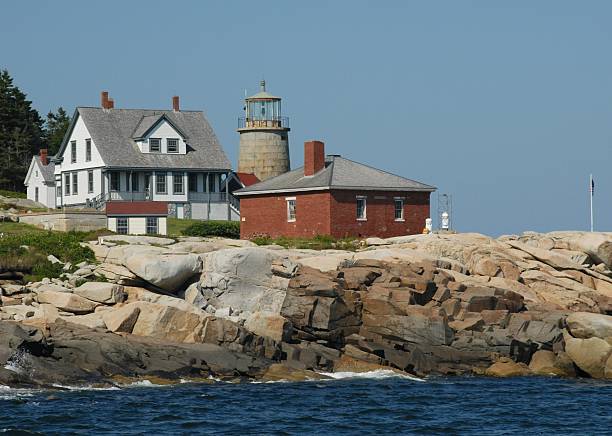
(55, 129)
(21, 130)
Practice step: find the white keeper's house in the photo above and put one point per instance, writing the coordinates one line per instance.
(139, 156)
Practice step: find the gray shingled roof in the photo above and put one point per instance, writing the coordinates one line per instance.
(46, 171)
(339, 173)
(113, 130)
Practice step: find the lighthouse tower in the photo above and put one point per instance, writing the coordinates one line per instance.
(264, 136)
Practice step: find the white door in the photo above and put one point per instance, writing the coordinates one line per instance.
(180, 211)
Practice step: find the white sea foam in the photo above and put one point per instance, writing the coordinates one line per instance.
(8, 393)
(85, 388)
(375, 375)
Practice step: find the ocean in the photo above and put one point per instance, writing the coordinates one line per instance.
(375, 404)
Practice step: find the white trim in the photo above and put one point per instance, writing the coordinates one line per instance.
(326, 188)
(365, 207)
(288, 201)
(396, 199)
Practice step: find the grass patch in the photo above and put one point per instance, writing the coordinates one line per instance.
(177, 226)
(319, 242)
(12, 194)
(25, 248)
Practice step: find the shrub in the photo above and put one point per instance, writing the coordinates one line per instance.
(226, 229)
(12, 194)
(319, 242)
(28, 251)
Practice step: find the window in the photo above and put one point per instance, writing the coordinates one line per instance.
(160, 183)
(135, 182)
(73, 151)
(36, 173)
(399, 209)
(75, 183)
(172, 145)
(213, 183)
(122, 226)
(90, 184)
(361, 208)
(151, 225)
(88, 150)
(115, 182)
(36, 194)
(290, 209)
(67, 184)
(154, 145)
(177, 183)
(193, 182)
(58, 190)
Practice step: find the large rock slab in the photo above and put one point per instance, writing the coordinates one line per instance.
(166, 271)
(136, 240)
(590, 355)
(584, 325)
(101, 292)
(67, 302)
(91, 320)
(270, 325)
(168, 323)
(121, 319)
(243, 279)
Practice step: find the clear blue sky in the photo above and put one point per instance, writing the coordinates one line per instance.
(505, 105)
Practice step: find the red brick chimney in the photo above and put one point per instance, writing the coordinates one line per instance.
(175, 103)
(104, 99)
(105, 102)
(43, 156)
(314, 157)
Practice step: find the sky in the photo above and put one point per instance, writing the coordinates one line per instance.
(504, 105)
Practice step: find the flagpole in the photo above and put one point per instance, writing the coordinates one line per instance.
(591, 192)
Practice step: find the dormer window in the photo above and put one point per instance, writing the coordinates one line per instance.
(154, 145)
(172, 144)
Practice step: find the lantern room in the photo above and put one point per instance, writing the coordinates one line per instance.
(263, 110)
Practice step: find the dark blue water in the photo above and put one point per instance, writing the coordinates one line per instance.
(349, 406)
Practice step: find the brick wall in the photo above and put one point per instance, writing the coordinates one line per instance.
(267, 214)
(335, 213)
(380, 213)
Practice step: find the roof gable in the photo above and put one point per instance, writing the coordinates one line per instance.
(150, 122)
(46, 171)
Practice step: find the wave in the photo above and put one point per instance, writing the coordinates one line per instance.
(374, 375)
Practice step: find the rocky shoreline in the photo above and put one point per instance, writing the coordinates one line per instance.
(201, 309)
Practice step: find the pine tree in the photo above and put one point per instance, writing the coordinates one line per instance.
(55, 129)
(21, 130)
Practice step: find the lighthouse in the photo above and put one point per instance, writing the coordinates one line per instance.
(264, 136)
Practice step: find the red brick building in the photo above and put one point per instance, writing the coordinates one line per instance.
(331, 195)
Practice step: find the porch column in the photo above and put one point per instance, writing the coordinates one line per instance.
(130, 185)
(227, 199)
(208, 196)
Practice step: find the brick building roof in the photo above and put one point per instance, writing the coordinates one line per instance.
(338, 173)
(134, 208)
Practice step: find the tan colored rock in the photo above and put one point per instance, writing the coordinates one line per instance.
(140, 294)
(584, 325)
(590, 355)
(269, 324)
(91, 320)
(506, 367)
(281, 372)
(67, 302)
(166, 271)
(545, 362)
(122, 319)
(169, 323)
(101, 292)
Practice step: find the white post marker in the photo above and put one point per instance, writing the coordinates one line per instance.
(592, 191)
